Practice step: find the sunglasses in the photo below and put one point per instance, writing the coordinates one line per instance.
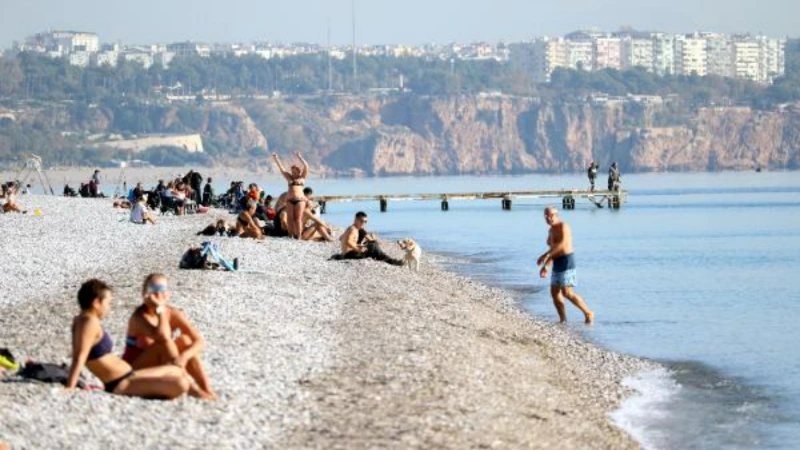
(157, 288)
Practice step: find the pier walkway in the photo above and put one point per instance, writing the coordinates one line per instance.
(614, 199)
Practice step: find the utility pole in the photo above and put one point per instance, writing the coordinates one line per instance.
(330, 63)
(355, 52)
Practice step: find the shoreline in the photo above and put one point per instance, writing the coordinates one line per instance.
(334, 354)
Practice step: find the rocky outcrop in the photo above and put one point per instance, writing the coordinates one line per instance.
(416, 135)
(408, 134)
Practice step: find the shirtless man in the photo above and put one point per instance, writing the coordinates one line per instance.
(564, 277)
(356, 243)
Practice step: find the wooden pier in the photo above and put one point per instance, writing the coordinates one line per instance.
(614, 199)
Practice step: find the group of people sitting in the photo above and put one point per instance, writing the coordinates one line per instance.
(8, 193)
(162, 348)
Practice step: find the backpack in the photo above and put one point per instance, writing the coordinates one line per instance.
(193, 259)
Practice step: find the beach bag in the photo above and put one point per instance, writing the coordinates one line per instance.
(193, 259)
(47, 373)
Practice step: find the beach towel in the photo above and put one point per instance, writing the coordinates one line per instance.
(7, 360)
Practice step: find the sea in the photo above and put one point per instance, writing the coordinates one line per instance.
(699, 272)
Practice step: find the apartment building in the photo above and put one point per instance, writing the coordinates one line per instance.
(663, 54)
(747, 58)
(719, 55)
(638, 52)
(691, 55)
(607, 53)
(580, 54)
(540, 57)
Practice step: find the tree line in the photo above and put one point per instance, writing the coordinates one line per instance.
(31, 76)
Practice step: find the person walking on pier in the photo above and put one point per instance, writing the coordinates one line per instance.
(562, 256)
(592, 174)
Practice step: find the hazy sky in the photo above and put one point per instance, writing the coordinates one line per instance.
(384, 21)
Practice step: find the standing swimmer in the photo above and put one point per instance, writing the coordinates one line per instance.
(562, 255)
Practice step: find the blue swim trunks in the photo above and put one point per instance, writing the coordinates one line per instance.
(564, 271)
(567, 278)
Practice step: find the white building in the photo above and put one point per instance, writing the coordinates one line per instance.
(163, 58)
(690, 55)
(540, 57)
(64, 43)
(106, 58)
(664, 54)
(773, 59)
(747, 58)
(143, 58)
(190, 49)
(80, 59)
(719, 55)
(607, 53)
(638, 52)
(580, 54)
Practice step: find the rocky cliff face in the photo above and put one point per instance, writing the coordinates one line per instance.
(512, 135)
(465, 134)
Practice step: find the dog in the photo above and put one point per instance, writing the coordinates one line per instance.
(413, 253)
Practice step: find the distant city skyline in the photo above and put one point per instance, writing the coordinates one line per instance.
(383, 22)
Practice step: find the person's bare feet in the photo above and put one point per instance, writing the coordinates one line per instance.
(589, 318)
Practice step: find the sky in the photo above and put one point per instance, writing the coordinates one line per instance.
(384, 21)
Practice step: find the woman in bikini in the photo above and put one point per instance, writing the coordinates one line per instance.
(92, 347)
(246, 226)
(297, 200)
(151, 341)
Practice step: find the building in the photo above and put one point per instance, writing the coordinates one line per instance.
(61, 43)
(747, 58)
(607, 53)
(719, 55)
(106, 58)
(638, 52)
(663, 54)
(580, 53)
(691, 55)
(184, 49)
(540, 57)
(145, 59)
(80, 59)
(773, 59)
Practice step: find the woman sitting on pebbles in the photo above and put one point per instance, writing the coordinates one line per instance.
(92, 347)
(151, 341)
(246, 226)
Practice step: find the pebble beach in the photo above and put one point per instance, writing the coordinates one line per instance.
(303, 352)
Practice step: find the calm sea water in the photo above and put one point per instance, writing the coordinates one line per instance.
(698, 271)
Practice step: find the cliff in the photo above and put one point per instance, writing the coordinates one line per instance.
(516, 135)
(408, 134)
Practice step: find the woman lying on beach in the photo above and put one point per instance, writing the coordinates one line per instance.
(297, 200)
(92, 347)
(150, 340)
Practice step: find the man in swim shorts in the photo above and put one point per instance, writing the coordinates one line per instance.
(564, 276)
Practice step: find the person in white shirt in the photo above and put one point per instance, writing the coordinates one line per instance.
(139, 212)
